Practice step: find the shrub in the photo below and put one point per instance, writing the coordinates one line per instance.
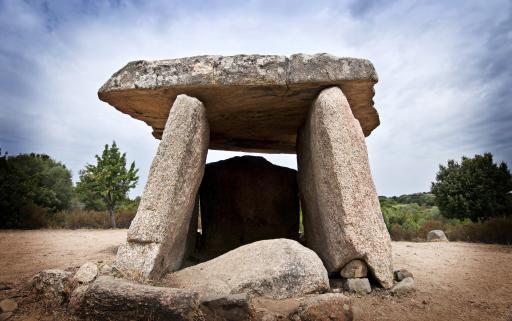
(124, 218)
(494, 230)
(88, 219)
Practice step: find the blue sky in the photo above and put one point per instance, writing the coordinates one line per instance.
(445, 70)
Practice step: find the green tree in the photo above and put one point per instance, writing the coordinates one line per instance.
(108, 180)
(32, 185)
(476, 188)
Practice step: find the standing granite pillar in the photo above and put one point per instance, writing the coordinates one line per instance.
(342, 217)
(158, 234)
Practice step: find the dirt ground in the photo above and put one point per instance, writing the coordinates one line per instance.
(454, 281)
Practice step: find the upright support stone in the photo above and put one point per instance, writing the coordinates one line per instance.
(157, 236)
(342, 217)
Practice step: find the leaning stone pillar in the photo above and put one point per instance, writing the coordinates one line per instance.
(342, 217)
(157, 236)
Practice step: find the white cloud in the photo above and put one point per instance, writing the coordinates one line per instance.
(428, 56)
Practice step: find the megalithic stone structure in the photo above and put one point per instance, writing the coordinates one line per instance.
(255, 103)
(158, 234)
(342, 217)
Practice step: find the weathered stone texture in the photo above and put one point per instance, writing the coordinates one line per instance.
(247, 199)
(115, 299)
(278, 268)
(255, 102)
(51, 286)
(342, 217)
(361, 285)
(86, 273)
(405, 286)
(158, 233)
(354, 269)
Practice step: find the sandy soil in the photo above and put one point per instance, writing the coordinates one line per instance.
(24, 253)
(455, 281)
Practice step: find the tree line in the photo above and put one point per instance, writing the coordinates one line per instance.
(34, 187)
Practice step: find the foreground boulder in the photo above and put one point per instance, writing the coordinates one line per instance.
(436, 236)
(247, 199)
(354, 269)
(114, 299)
(157, 236)
(342, 217)
(405, 286)
(278, 269)
(361, 285)
(86, 273)
(52, 286)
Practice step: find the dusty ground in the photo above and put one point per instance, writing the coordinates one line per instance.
(24, 253)
(455, 281)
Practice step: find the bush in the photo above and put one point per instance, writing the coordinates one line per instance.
(88, 219)
(124, 218)
(32, 186)
(494, 230)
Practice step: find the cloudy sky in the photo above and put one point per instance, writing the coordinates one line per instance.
(445, 70)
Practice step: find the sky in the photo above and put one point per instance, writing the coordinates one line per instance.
(444, 90)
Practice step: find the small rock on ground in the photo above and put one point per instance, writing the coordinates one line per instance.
(8, 305)
(436, 236)
(354, 269)
(402, 274)
(52, 286)
(358, 285)
(405, 286)
(87, 273)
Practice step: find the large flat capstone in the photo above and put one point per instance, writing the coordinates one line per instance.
(253, 102)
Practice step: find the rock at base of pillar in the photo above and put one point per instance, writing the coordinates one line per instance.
(342, 216)
(158, 234)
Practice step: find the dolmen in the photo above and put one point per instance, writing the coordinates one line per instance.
(319, 107)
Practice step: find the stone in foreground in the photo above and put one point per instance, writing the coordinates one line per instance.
(354, 269)
(405, 286)
(158, 233)
(342, 217)
(247, 199)
(114, 299)
(86, 273)
(254, 102)
(358, 285)
(278, 269)
(436, 236)
(51, 286)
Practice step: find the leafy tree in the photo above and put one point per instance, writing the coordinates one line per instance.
(476, 188)
(32, 185)
(108, 180)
